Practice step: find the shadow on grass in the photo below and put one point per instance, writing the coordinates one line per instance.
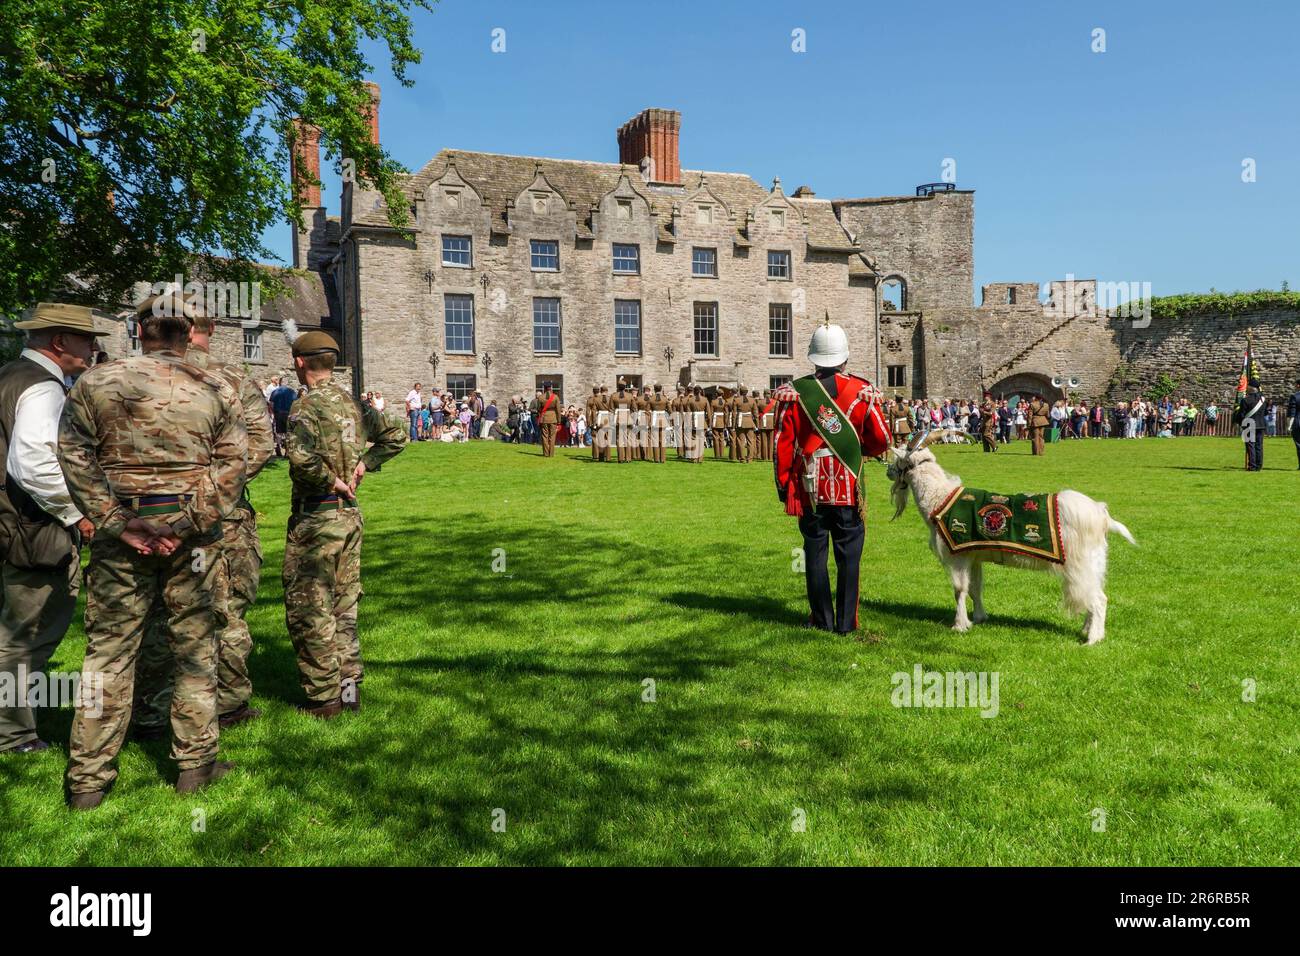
(557, 735)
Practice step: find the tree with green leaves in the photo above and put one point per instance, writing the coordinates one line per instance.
(146, 138)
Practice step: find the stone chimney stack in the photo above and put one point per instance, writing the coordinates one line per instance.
(304, 167)
(653, 134)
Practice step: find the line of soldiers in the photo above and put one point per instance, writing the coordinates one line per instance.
(157, 451)
(635, 423)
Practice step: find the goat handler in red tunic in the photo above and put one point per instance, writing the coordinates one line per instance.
(828, 422)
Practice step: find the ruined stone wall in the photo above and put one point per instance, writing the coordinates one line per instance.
(1202, 353)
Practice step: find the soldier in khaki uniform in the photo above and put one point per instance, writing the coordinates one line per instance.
(328, 458)
(746, 411)
(1039, 418)
(239, 567)
(718, 421)
(549, 414)
(622, 408)
(658, 408)
(766, 425)
(989, 423)
(695, 424)
(682, 421)
(598, 424)
(733, 450)
(153, 449)
(643, 424)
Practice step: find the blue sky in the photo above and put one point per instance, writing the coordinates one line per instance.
(1124, 165)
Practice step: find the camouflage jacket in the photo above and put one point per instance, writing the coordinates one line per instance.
(257, 420)
(328, 434)
(153, 425)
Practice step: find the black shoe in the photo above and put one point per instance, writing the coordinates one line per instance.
(34, 746)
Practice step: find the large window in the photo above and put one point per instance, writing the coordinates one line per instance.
(253, 345)
(457, 251)
(778, 330)
(545, 255)
(704, 262)
(897, 376)
(778, 265)
(461, 386)
(706, 329)
(557, 386)
(459, 314)
(546, 325)
(627, 259)
(627, 326)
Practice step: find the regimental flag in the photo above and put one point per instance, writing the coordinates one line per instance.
(1249, 368)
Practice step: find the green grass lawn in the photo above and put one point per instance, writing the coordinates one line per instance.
(523, 689)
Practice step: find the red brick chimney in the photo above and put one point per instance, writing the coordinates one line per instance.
(304, 163)
(653, 133)
(373, 114)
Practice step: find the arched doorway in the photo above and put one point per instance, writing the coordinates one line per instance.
(1024, 386)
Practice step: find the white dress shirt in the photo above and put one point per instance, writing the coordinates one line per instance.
(33, 447)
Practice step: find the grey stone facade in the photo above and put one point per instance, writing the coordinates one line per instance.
(897, 272)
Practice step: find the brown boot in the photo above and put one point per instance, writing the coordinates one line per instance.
(85, 801)
(322, 710)
(239, 715)
(351, 698)
(198, 778)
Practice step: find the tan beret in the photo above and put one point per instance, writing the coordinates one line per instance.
(314, 343)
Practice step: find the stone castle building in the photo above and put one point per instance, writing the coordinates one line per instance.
(516, 270)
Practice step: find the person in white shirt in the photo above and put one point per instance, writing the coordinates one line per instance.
(379, 402)
(40, 528)
(414, 403)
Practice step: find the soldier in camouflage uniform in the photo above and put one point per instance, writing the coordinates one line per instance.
(153, 449)
(239, 568)
(328, 457)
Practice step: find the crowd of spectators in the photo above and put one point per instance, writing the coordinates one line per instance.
(1075, 419)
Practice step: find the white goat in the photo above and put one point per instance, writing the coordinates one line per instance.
(1084, 523)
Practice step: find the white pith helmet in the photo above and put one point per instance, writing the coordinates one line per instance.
(829, 347)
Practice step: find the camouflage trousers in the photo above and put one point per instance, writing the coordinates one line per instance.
(322, 586)
(123, 592)
(234, 591)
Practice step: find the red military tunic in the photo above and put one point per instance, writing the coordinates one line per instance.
(800, 450)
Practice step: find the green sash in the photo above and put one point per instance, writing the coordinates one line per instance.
(834, 428)
(830, 423)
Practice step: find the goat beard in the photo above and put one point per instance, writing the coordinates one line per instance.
(898, 492)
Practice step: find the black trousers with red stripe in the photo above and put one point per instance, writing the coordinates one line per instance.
(840, 527)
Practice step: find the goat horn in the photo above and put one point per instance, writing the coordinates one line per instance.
(934, 436)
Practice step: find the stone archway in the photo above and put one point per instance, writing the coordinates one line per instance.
(1025, 385)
